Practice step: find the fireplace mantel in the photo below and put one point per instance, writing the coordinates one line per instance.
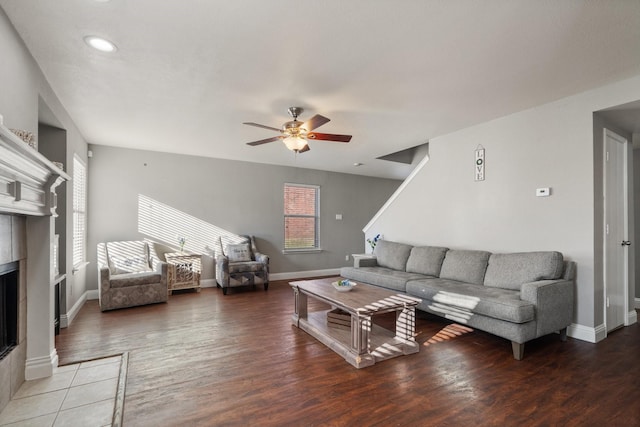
(27, 179)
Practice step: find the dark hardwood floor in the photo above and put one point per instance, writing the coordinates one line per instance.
(204, 359)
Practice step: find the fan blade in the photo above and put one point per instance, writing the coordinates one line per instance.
(315, 122)
(306, 148)
(329, 137)
(264, 141)
(262, 126)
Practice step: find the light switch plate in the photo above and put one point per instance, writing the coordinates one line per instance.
(543, 192)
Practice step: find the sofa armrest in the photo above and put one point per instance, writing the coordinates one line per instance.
(262, 258)
(162, 267)
(104, 276)
(554, 302)
(222, 262)
(365, 262)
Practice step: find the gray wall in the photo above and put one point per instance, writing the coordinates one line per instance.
(238, 197)
(22, 88)
(548, 146)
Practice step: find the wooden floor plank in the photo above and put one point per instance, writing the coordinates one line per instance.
(205, 359)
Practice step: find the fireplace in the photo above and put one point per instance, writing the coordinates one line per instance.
(8, 307)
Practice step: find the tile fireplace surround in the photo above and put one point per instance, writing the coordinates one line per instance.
(27, 207)
(13, 248)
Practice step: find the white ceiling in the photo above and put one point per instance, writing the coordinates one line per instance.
(393, 74)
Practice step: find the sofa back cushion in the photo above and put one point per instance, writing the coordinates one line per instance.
(465, 266)
(510, 271)
(392, 255)
(426, 260)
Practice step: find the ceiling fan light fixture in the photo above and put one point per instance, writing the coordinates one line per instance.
(295, 143)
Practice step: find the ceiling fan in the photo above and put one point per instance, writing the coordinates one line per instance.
(295, 134)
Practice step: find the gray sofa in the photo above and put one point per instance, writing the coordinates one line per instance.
(517, 296)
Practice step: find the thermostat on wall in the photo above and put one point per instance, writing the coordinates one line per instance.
(543, 192)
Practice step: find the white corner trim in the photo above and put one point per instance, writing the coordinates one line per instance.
(92, 294)
(586, 333)
(208, 283)
(41, 367)
(304, 274)
(396, 193)
(67, 318)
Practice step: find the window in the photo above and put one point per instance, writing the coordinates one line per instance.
(301, 216)
(79, 212)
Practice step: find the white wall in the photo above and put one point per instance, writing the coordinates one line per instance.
(548, 146)
(238, 197)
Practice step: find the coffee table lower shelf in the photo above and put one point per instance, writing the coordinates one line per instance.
(383, 343)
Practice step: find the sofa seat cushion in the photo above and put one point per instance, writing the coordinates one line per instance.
(379, 276)
(135, 279)
(426, 260)
(503, 304)
(510, 271)
(245, 267)
(392, 255)
(465, 266)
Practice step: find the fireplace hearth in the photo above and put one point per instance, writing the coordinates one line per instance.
(8, 307)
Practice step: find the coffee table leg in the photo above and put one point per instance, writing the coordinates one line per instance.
(300, 307)
(406, 324)
(360, 329)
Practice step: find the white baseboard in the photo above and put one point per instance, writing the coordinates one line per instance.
(208, 283)
(304, 274)
(632, 318)
(637, 300)
(41, 367)
(586, 333)
(67, 319)
(92, 294)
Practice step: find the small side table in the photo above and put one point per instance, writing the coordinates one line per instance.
(363, 256)
(184, 271)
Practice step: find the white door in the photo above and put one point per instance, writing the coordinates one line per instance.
(616, 236)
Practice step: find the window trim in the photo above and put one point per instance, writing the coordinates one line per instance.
(79, 264)
(317, 247)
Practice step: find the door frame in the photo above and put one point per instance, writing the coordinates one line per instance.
(607, 133)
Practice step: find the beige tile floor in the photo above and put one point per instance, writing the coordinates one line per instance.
(82, 394)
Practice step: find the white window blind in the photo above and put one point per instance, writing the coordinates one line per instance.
(79, 212)
(301, 216)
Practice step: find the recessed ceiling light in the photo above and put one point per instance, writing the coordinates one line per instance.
(100, 44)
(358, 164)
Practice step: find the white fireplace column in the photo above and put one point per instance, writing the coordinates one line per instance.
(42, 357)
(28, 181)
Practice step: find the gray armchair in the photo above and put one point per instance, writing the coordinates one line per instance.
(130, 275)
(241, 265)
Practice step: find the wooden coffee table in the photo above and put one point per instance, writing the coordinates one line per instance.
(364, 343)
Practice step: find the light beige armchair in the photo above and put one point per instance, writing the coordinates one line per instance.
(130, 275)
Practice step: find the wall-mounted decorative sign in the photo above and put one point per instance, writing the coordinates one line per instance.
(479, 164)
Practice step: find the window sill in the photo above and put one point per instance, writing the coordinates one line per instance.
(301, 251)
(79, 267)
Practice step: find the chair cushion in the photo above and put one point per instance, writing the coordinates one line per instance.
(392, 255)
(465, 266)
(135, 279)
(510, 271)
(426, 260)
(238, 253)
(245, 267)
